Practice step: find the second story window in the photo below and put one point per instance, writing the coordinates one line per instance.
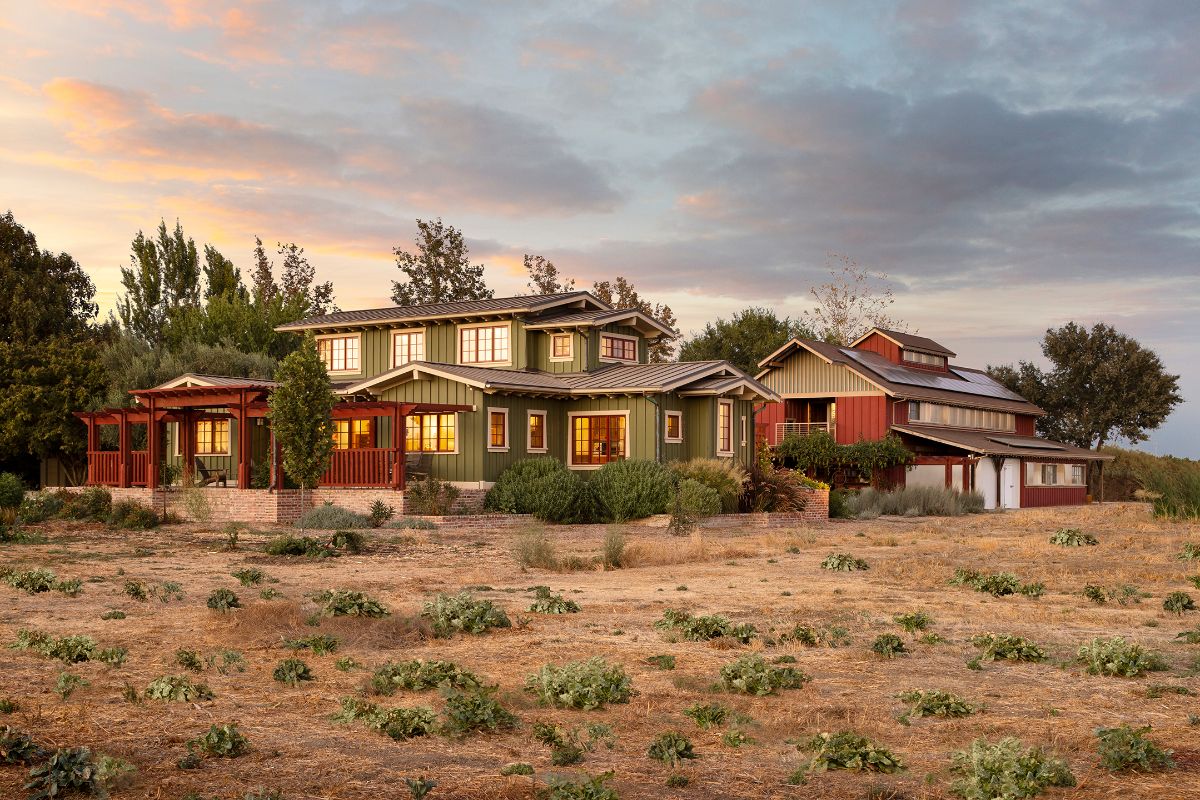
(486, 345)
(340, 353)
(926, 359)
(561, 348)
(959, 417)
(614, 347)
(407, 346)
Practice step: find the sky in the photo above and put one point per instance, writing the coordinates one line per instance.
(1010, 166)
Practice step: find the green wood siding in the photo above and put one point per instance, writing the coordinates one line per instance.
(593, 354)
(518, 407)
(805, 373)
(467, 464)
(539, 350)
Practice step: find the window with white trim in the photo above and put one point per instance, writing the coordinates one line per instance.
(407, 346)
(725, 427)
(928, 359)
(536, 441)
(674, 427)
(597, 439)
(488, 344)
(498, 429)
(340, 353)
(430, 433)
(616, 347)
(562, 346)
(1066, 475)
(959, 417)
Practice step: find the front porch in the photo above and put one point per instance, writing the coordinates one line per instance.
(797, 417)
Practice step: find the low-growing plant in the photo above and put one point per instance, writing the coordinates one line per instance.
(1125, 748)
(308, 546)
(16, 747)
(1179, 602)
(178, 688)
(346, 603)
(249, 576)
(398, 723)
(291, 671)
(565, 748)
(1096, 594)
(67, 649)
(462, 613)
(133, 516)
(1190, 552)
(418, 675)
(843, 562)
(319, 643)
(270, 593)
(221, 741)
(75, 770)
(346, 664)
(38, 507)
(668, 661)
(1189, 637)
(584, 685)
(750, 674)
(1072, 537)
(705, 628)
(1006, 769)
(380, 513)
(31, 581)
(419, 788)
(476, 710)
(1036, 589)
(412, 523)
(223, 600)
(67, 683)
(670, 748)
(226, 661)
(93, 503)
(349, 541)
(589, 787)
(136, 590)
(933, 704)
(708, 715)
(71, 587)
(8, 705)
(849, 751)
(735, 737)
(807, 635)
(111, 656)
(888, 645)
(431, 497)
(1006, 647)
(547, 603)
(913, 621)
(189, 659)
(516, 768)
(1118, 658)
(330, 518)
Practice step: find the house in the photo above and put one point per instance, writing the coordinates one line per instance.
(965, 430)
(461, 389)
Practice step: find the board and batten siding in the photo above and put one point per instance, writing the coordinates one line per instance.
(539, 351)
(518, 407)
(467, 464)
(260, 445)
(593, 353)
(804, 374)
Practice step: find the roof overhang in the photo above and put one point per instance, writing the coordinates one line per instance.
(937, 351)
(632, 317)
(997, 443)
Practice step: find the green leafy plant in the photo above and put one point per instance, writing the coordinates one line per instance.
(1006, 770)
(17, 747)
(585, 685)
(431, 497)
(308, 546)
(221, 741)
(1190, 552)
(349, 541)
(723, 475)
(1179, 602)
(1189, 637)
(565, 747)
(1072, 537)
(690, 503)
(547, 603)
(807, 635)
(670, 748)
(291, 671)
(1125, 748)
(72, 587)
(398, 723)
(249, 576)
(933, 704)
(750, 674)
(223, 600)
(346, 603)
(735, 737)
(913, 621)
(32, 581)
(665, 661)
(68, 649)
(132, 515)
(705, 628)
(380, 513)
(1006, 647)
(843, 562)
(1119, 658)
(419, 788)
(177, 688)
(1096, 594)
(418, 675)
(74, 769)
(708, 715)
(632, 488)
(516, 768)
(67, 683)
(93, 503)
(189, 659)
(320, 643)
(477, 710)
(8, 705)
(849, 751)
(585, 788)
(888, 645)
(462, 613)
(38, 507)
(226, 661)
(136, 590)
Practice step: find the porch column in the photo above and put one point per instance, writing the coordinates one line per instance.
(93, 444)
(152, 454)
(243, 443)
(186, 429)
(124, 458)
(397, 449)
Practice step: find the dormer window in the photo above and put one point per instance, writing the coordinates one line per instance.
(484, 344)
(925, 359)
(407, 346)
(562, 346)
(617, 347)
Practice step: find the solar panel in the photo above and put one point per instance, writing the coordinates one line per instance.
(1030, 444)
(965, 381)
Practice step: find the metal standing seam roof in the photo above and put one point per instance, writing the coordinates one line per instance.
(1000, 444)
(214, 381)
(491, 305)
(552, 319)
(911, 341)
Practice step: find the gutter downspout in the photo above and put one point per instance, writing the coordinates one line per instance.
(657, 425)
(998, 463)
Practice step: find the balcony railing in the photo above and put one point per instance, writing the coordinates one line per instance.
(140, 459)
(359, 466)
(784, 429)
(103, 467)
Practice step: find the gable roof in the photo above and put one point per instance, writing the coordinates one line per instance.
(213, 381)
(991, 443)
(565, 318)
(492, 306)
(909, 341)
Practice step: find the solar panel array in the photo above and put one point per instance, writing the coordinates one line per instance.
(965, 381)
(1031, 444)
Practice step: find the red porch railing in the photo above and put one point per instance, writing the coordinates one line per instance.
(360, 466)
(104, 467)
(139, 468)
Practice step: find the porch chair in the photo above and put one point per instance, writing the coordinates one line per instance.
(209, 476)
(417, 465)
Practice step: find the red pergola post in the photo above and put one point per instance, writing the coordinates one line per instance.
(244, 435)
(186, 430)
(277, 452)
(124, 459)
(397, 448)
(93, 444)
(152, 446)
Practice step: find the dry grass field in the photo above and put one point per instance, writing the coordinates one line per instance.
(769, 579)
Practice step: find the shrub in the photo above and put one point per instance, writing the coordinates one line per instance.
(74, 769)
(221, 741)
(331, 518)
(1190, 552)
(398, 723)
(839, 504)
(345, 603)
(585, 788)
(380, 513)
(32, 581)
(774, 490)
(350, 541)
(707, 715)
(547, 603)
(516, 768)
(249, 577)
(565, 748)
(1007, 647)
(1096, 594)
(750, 674)
(39, 507)
(723, 475)
(632, 489)
(320, 644)
(670, 748)
(136, 590)
(613, 555)
(1189, 637)
(888, 645)
(291, 671)
(1000, 584)
(462, 613)
(843, 562)
(830, 636)
(67, 683)
(702, 629)
(1118, 658)
(1172, 486)
(178, 688)
(12, 490)
(848, 751)
(288, 545)
(514, 492)
(533, 549)
(691, 502)
(223, 600)
(668, 662)
(1125, 748)
(477, 710)
(189, 659)
(418, 675)
(17, 747)
(1006, 770)
(585, 685)
(132, 515)
(1179, 602)
(933, 704)
(430, 497)
(914, 501)
(1072, 537)
(93, 503)
(914, 621)
(412, 523)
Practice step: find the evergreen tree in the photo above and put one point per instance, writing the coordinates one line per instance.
(300, 413)
(748, 337)
(162, 281)
(440, 271)
(262, 279)
(221, 277)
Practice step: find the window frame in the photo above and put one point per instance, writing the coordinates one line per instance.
(570, 445)
(667, 437)
(529, 448)
(357, 337)
(725, 404)
(498, 448)
(620, 336)
(570, 356)
(395, 332)
(934, 360)
(457, 427)
(458, 344)
(946, 410)
(228, 436)
(351, 424)
(1067, 472)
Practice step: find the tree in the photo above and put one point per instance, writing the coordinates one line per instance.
(300, 412)
(440, 271)
(262, 279)
(620, 293)
(544, 277)
(221, 277)
(851, 303)
(163, 279)
(296, 283)
(748, 337)
(43, 294)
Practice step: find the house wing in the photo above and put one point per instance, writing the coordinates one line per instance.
(991, 443)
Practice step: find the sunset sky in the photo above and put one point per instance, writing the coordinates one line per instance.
(1011, 166)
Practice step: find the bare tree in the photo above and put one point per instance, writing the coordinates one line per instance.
(851, 303)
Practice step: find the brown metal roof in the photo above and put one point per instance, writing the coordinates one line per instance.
(994, 443)
(909, 340)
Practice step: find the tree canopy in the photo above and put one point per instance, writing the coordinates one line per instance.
(43, 294)
(1101, 385)
(440, 271)
(743, 340)
(620, 293)
(852, 302)
(544, 277)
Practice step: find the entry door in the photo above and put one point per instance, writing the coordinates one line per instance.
(1010, 487)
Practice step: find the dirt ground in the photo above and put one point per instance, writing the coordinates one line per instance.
(770, 579)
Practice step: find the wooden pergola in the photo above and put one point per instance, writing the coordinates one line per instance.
(245, 404)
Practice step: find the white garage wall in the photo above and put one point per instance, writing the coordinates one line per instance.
(927, 475)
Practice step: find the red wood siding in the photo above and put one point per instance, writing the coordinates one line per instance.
(1025, 425)
(861, 417)
(764, 423)
(1038, 496)
(885, 347)
(897, 412)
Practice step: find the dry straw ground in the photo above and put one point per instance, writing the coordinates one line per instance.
(771, 580)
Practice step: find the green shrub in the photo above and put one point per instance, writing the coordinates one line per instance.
(320, 644)
(807, 635)
(1125, 748)
(346, 603)
(349, 541)
(1189, 637)
(547, 603)
(1172, 486)
(585, 788)
(1006, 770)
(516, 768)
(398, 723)
(888, 645)
(1118, 658)
(39, 507)
(430, 497)
(67, 683)
(412, 523)
(723, 475)
(668, 662)
(1190, 552)
(705, 628)
(1072, 537)
(380, 513)
(462, 613)
(914, 501)
(93, 503)
(1179, 602)
(1000, 584)
(750, 674)
(132, 515)
(543, 487)
(249, 576)
(289, 545)
(223, 600)
(221, 741)
(18, 748)
(933, 704)
(839, 504)
(1096, 594)
(178, 688)
(913, 621)
(291, 671)
(565, 747)
(418, 675)
(71, 587)
(75, 770)
(735, 738)
(477, 710)
(843, 562)
(691, 502)
(8, 705)
(584, 685)
(707, 715)
(632, 489)
(189, 659)
(332, 518)
(670, 748)
(136, 590)
(849, 751)
(1007, 647)
(12, 490)
(32, 581)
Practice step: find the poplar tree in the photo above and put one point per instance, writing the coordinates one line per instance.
(301, 409)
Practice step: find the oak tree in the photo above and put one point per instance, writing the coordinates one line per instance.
(440, 271)
(743, 340)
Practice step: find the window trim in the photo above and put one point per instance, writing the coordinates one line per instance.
(570, 448)
(458, 332)
(1007, 416)
(350, 422)
(667, 428)
(529, 448)
(504, 448)
(570, 356)
(744, 431)
(228, 437)
(392, 344)
(724, 453)
(611, 360)
(357, 336)
(1026, 464)
(457, 433)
